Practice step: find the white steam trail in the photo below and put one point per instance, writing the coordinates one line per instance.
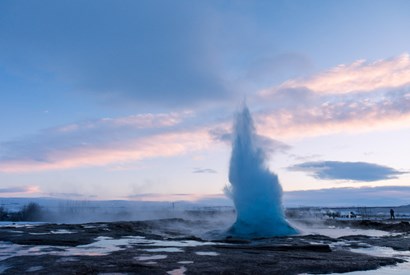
(255, 190)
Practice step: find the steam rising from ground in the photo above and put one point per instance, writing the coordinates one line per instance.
(255, 190)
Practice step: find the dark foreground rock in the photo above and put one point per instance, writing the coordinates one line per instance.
(142, 248)
(243, 261)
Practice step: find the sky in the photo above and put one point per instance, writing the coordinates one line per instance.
(135, 99)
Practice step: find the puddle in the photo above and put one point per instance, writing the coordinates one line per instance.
(164, 249)
(20, 224)
(102, 246)
(151, 263)
(341, 244)
(399, 269)
(15, 231)
(67, 259)
(34, 269)
(334, 232)
(8, 250)
(178, 271)
(180, 243)
(149, 257)
(380, 251)
(62, 231)
(206, 253)
(88, 226)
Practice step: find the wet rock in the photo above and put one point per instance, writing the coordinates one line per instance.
(311, 247)
(236, 241)
(388, 225)
(278, 255)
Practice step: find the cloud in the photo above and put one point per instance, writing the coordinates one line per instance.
(163, 197)
(204, 171)
(137, 51)
(355, 171)
(336, 197)
(90, 133)
(20, 189)
(103, 141)
(329, 108)
(58, 157)
(327, 115)
(361, 75)
(289, 112)
(70, 196)
(116, 141)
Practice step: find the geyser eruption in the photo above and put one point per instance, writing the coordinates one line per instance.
(255, 190)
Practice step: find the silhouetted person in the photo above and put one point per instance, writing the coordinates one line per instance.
(392, 214)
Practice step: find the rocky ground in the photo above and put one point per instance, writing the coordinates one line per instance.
(158, 247)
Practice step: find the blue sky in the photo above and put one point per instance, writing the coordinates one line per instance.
(114, 100)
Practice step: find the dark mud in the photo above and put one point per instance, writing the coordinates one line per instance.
(158, 249)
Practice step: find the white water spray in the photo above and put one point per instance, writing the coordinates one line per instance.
(255, 190)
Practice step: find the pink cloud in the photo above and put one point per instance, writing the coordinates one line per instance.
(362, 96)
(323, 104)
(149, 120)
(103, 141)
(134, 121)
(359, 76)
(334, 117)
(160, 145)
(20, 190)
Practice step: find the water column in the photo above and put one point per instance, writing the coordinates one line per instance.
(255, 190)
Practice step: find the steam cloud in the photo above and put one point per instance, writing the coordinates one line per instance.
(255, 190)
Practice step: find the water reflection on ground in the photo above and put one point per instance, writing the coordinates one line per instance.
(399, 269)
(334, 232)
(102, 246)
(175, 255)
